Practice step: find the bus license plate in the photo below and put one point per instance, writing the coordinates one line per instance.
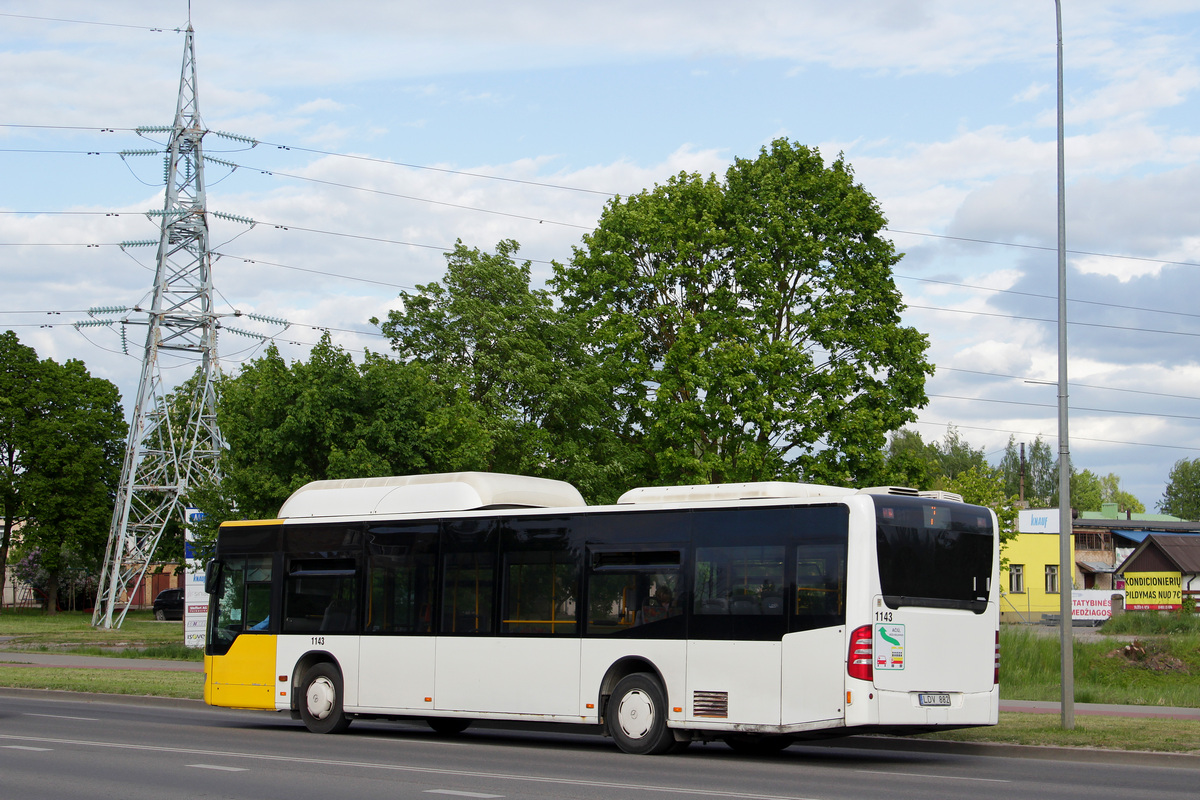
(933, 699)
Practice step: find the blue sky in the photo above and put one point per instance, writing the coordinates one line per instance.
(945, 110)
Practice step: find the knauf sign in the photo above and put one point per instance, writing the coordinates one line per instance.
(1038, 520)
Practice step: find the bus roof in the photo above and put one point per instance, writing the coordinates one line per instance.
(730, 491)
(412, 494)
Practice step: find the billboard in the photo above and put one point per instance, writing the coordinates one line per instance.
(1093, 604)
(1153, 591)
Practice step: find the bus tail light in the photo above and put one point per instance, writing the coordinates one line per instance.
(858, 662)
(996, 676)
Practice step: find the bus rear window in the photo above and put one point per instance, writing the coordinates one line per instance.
(933, 553)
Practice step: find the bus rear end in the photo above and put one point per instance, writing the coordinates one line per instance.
(926, 653)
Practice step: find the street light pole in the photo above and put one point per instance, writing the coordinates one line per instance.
(1066, 565)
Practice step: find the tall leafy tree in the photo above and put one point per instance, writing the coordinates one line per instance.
(984, 485)
(544, 401)
(1086, 490)
(955, 455)
(752, 326)
(72, 442)
(910, 461)
(1181, 497)
(1041, 472)
(1111, 492)
(20, 376)
(329, 418)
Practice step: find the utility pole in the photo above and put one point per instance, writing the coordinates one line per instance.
(1066, 564)
(173, 440)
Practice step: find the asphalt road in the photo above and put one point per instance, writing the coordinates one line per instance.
(71, 746)
(1030, 706)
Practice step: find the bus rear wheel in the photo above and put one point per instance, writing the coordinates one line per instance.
(321, 703)
(636, 716)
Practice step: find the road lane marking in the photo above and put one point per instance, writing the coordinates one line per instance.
(460, 794)
(60, 716)
(457, 773)
(31, 749)
(217, 767)
(939, 777)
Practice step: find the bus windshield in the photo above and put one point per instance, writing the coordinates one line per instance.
(933, 553)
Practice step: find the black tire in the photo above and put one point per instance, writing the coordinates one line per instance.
(636, 716)
(321, 702)
(448, 726)
(160, 615)
(756, 744)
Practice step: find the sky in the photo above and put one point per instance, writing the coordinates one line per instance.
(387, 131)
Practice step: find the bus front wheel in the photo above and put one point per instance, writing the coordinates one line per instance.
(636, 716)
(321, 704)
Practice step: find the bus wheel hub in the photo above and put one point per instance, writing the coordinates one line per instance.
(320, 698)
(636, 714)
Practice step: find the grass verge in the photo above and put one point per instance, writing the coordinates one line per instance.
(140, 635)
(156, 683)
(1094, 732)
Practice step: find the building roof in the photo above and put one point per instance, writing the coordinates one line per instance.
(1122, 525)
(1182, 550)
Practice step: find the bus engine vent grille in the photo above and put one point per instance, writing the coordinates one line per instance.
(711, 704)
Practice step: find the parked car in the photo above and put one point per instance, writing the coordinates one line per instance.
(169, 604)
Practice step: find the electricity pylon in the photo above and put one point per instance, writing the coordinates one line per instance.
(173, 440)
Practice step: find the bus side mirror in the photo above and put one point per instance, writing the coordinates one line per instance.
(212, 576)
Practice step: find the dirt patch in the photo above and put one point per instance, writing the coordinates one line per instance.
(1149, 656)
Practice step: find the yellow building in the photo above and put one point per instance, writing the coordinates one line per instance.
(1030, 582)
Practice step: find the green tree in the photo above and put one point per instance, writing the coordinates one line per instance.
(1086, 491)
(20, 372)
(984, 485)
(1111, 492)
(1041, 473)
(330, 418)
(544, 401)
(955, 455)
(72, 444)
(751, 326)
(910, 461)
(1181, 498)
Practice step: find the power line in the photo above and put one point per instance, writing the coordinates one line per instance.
(1074, 437)
(1074, 385)
(1073, 408)
(539, 220)
(1040, 319)
(1043, 247)
(442, 169)
(92, 22)
(247, 260)
(1048, 296)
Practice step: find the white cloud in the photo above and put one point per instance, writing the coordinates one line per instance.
(945, 110)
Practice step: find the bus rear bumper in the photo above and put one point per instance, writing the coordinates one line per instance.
(922, 709)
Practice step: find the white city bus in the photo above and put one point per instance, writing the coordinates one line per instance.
(757, 613)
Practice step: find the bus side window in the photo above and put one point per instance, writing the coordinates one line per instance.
(820, 586)
(468, 576)
(401, 584)
(628, 590)
(321, 595)
(739, 580)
